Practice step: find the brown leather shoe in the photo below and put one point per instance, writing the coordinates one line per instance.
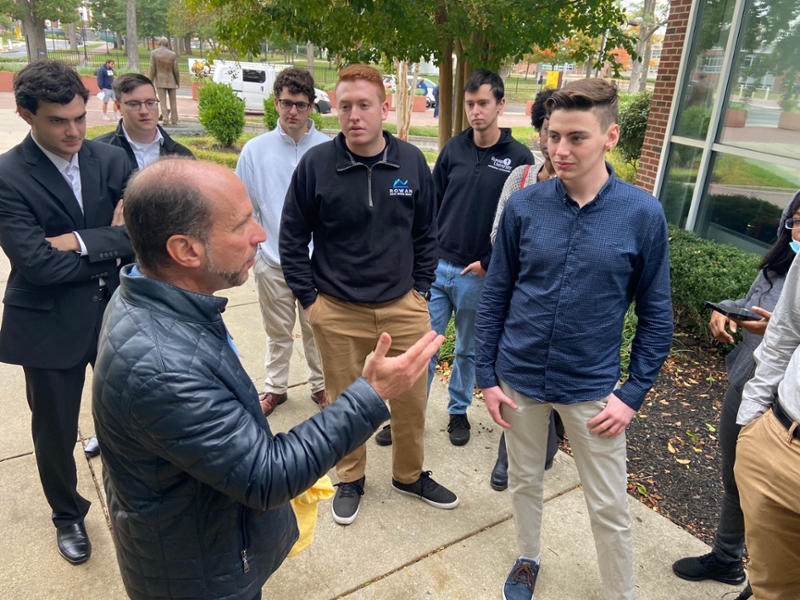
(269, 400)
(320, 398)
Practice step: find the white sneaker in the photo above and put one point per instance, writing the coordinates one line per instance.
(116, 117)
(105, 117)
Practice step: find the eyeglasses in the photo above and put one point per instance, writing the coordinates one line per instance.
(288, 104)
(792, 224)
(133, 105)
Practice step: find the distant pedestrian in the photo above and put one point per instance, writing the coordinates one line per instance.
(105, 81)
(436, 101)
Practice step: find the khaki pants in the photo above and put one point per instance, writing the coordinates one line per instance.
(603, 474)
(172, 111)
(279, 310)
(346, 333)
(767, 471)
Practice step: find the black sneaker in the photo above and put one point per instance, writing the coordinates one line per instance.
(384, 436)
(708, 566)
(345, 503)
(458, 428)
(746, 594)
(425, 488)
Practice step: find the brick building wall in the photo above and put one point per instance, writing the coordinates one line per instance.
(661, 105)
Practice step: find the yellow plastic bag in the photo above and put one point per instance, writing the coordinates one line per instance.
(305, 511)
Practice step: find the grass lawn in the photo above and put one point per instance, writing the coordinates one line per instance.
(735, 170)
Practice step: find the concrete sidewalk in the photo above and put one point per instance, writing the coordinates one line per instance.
(398, 548)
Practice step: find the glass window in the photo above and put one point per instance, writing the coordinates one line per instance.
(254, 76)
(762, 108)
(743, 201)
(678, 186)
(701, 79)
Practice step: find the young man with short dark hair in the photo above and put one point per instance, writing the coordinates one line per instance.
(266, 166)
(469, 176)
(62, 229)
(138, 132)
(572, 254)
(366, 200)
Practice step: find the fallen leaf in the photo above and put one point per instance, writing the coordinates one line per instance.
(671, 448)
(711, 428)
(683, 461)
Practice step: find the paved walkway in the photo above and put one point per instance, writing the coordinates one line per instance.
(398, 548)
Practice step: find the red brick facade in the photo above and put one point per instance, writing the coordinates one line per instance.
(664, 91)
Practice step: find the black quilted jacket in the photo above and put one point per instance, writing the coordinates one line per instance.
(197, 485)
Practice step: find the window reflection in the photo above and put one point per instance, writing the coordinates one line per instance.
(676, 195)
(761, 111)
(743, 201)
(702, 77)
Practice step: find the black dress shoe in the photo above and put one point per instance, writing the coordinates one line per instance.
(73, 543)
(499, 480)
(92, 448)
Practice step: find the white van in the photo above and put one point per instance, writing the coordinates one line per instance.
(253, 83)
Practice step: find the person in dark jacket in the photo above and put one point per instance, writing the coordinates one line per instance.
(197, 485)
(469, 176)
(105, 81)
(366, 200)
(138, 132)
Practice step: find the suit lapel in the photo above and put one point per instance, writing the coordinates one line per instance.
(48, 176)
(90, 184)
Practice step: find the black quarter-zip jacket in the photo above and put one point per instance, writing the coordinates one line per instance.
(469, 181)
(374, 229)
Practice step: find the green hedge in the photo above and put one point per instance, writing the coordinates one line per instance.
(703, 270)
(221, 112)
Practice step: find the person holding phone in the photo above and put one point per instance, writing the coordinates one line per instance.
(724, 562)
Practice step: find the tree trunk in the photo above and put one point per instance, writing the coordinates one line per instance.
(645, 64)
(33, 28)
(132, 37)
(445, 100)
(187, 45)
(403, 97)
(458, 91)
(310, 57)
(73, 41)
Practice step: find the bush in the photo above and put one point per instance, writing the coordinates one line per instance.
(694, 123)
(271, 115)
(705, 270)
(633, 113)
(221, 112)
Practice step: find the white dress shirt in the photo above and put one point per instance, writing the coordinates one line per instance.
(777, 358)
(145, 153)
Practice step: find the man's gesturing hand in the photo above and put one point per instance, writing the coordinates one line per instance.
(612, 420)
(493, 397)
(118, 219)
(392, 376)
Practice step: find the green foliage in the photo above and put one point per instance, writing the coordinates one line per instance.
(705, 270)
(221, 112)
(694, 122)
(628, 333)
(448, 350)
(622, 169)
(633, 113)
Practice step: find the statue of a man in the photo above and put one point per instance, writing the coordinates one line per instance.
(165, 76)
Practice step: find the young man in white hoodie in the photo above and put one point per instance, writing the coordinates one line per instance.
(266, 166)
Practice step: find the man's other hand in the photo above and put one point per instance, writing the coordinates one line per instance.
(118, 220)
(493, 397)
(65, 243)
(308, 311)
(612, 420)
(474, 268)
(756, 327)
(718, 325)
(390, 377)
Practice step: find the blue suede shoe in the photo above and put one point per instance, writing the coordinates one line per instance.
(521, 581)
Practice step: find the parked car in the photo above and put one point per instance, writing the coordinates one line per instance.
(390, 83)
(253, 83)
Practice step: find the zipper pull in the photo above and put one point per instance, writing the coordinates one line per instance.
(246, 565)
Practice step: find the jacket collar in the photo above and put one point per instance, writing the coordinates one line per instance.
(165, 298)
(47, 175)
(345, 159)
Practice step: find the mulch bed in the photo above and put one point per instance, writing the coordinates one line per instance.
(674, 461)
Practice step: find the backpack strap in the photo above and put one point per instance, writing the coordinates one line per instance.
(524, 176)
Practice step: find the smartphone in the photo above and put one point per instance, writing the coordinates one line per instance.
(734, 312)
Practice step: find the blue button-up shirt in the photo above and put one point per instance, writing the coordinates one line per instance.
(561, 278)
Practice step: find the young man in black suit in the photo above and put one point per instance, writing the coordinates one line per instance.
(61, 227)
